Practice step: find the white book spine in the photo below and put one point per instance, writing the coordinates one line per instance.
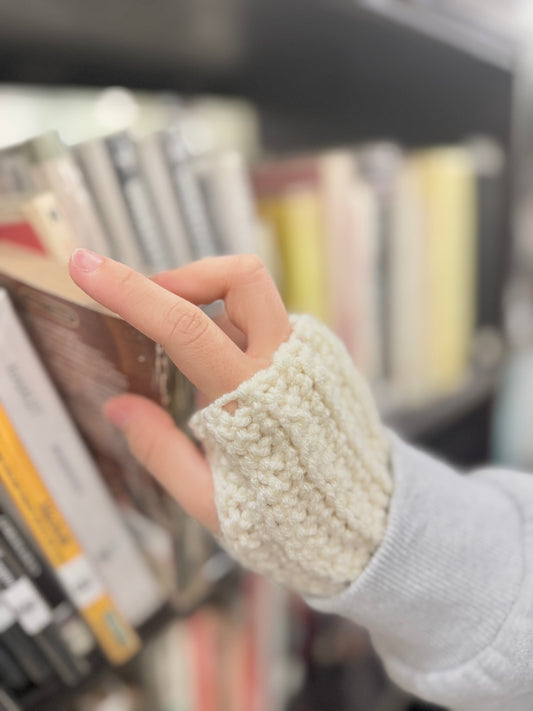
(62, 176)
(67, 470)
(102, 180)
(159, 182)
(235, 202)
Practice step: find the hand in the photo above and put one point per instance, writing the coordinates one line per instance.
(165, 308)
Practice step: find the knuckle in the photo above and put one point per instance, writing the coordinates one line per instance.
(187, 325)
(126, 282)
(250, 266)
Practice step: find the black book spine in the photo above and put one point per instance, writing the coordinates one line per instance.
(124, 158)
(74, 631)
(35, 617)
(11, 673)
(23, 648)
(189, 195)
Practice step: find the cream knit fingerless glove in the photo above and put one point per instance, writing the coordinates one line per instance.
(301, 470)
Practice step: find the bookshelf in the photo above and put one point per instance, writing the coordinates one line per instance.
(457, 424)
(54, 696)
(346, 61)
(345, 71)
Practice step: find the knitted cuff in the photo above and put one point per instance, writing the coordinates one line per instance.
(301, 474)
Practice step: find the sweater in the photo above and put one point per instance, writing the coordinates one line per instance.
(313, 491)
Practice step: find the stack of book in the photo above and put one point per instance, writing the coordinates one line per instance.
(399, 252)
(149, 202)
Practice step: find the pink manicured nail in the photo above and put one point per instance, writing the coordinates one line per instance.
(119, 416)
(86, 260)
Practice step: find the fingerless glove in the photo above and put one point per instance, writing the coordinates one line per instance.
(301, 468)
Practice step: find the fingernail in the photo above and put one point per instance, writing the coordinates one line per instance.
(86, 260)
(117, 415)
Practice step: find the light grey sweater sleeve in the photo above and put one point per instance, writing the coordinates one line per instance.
(448, 596)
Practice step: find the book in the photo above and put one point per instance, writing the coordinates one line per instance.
(289, 199)
(35, 617)
(137, 198)
(16, 228)
(159, 180)
(96, 165)
(491, 174)
(22, 648)
(36, 222)
(66, 468)
(228, 192)
(198, 224)
(73, 629)
(76, 570)
(167, 671)
(44, 164)
(380, 165)
(113, 693)
(357, 321)
(12, 674)
(408, 291)
(448, 188)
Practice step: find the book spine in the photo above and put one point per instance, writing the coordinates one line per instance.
(380, 164)
(44, 214)
(209, 198)
(22, 648)
(124, 158)
(35, 617)
(11, 673)
(69, 473)
(7, 702)
(297, 214)
(21, 233)
(43, 163)
(159, 182)
(95, 163)
(74, 631)
(15, 175)
(61, 548)
(231, 198)
(54, 169)
(189, 194)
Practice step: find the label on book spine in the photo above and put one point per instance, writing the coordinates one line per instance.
(33, 613)
(24, 485)
(78, 578)
(7, 616)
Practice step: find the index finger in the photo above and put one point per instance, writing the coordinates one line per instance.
(202, 352)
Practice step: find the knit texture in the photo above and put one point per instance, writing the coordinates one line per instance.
(301, 468)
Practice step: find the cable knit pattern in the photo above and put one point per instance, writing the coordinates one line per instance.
(301, 469)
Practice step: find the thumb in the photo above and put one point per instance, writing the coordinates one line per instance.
(167, 453)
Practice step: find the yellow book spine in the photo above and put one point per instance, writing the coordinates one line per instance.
(297, 217)
(21, 480)
(449, 192)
